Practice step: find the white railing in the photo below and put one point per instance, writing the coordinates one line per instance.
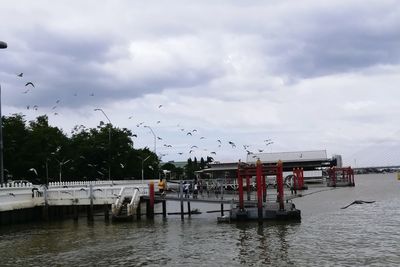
(127, 191)
(28, 195)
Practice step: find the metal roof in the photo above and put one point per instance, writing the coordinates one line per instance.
(314, 155)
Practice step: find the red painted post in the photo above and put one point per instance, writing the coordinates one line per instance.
(240, 183)
(248, 185)
(296, 179)
(279, 182)
(334, 176)
(151, 199)
(264, 189)
(259, 189)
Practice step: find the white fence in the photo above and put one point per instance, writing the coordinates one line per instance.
(71, 193)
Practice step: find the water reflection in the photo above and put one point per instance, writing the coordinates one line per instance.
(265, 243)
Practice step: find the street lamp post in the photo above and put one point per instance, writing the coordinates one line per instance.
(109, 142)
(155, 138)
(143, 160)
(3, 45)
(62, 163)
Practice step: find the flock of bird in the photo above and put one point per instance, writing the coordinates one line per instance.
(168, 148)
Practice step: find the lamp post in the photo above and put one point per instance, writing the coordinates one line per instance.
(3, 45)
(62, 163)
(155, 138)
(109, 142)
(143, 160)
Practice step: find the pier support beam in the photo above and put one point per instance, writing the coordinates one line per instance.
(164, 209)
(240, 183)
(259, 189)
(150, 210)
(248, 186)
(181, 197)
(279, 182)
(106, 213)
(264, 184)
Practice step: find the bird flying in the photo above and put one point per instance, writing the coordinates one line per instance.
(29, 83)
(21, 74)
(189, 133)
(358, 202)
(232, 144)
(194, 147)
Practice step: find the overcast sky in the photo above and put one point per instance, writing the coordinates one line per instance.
(309, 75)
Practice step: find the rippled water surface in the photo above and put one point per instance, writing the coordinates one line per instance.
(360, 235)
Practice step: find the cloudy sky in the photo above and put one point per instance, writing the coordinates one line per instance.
(309, 75)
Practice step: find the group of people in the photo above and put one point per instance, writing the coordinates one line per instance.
(187, 187)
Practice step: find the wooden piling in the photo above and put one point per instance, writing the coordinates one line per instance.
(189, 210)
(222, 209)
(150, 209)
(106, 213)
(164, 208)
(181, 196)
(75, 213)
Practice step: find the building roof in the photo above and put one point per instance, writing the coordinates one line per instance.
(297, 156)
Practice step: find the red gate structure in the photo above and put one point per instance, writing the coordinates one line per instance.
(340, 177)
(246, 210)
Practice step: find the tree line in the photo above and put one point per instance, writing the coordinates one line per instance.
(41, 153)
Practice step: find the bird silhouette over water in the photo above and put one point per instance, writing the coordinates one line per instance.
(21, 74)
(30, 83)
(358, 202)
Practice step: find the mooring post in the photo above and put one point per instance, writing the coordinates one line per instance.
(259, 189)
(76, 212)
(222, 209)
(106, 213)
(240, 183)
(151, 200)
(90, 208)
(45, 211)
(248, 186)
(139, 211)
(188, 207)
(164, 208)
(264, 189)
(279, 181)
(334, 176)
(181, 195)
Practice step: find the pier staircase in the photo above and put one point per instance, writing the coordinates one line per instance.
(126, 205)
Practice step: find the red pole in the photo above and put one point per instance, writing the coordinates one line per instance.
(279, 181)
(151, 198)
(240, 182)
(259, 188)
(334, 176)
(264, 189)
(296, 179)
(248, 185)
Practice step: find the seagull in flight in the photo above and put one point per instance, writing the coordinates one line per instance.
(159, 138)
(159, 106)
(189, 133)
(232, 144)
(191, 151)
(202, 137)
(213, 153)
(21, 74)
(30, 83)
(358, 202)
(194, 147)
(180, 153)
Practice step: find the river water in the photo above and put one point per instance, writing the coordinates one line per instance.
(361, 235)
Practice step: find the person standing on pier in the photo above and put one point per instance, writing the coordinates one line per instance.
(161, 186)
